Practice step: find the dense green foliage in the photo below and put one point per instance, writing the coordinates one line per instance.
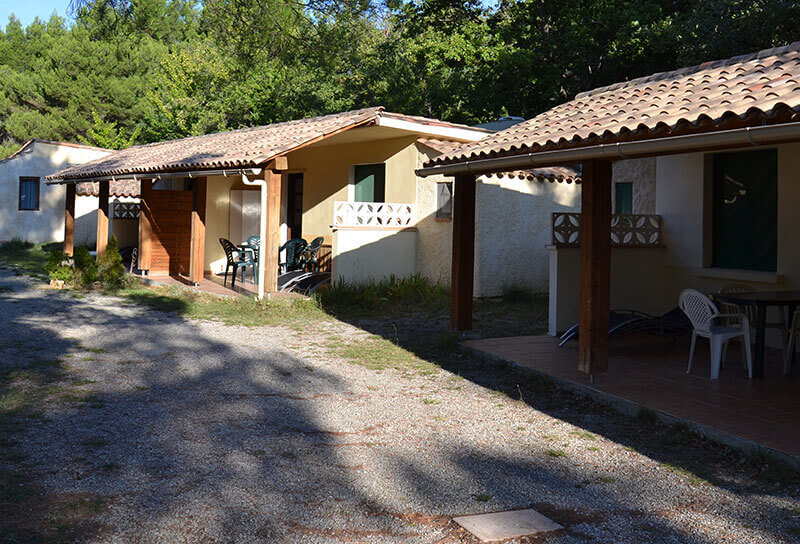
(110, 267)
(132, 71)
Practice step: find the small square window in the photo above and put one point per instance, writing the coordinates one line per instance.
(28, 193)
(444, 200)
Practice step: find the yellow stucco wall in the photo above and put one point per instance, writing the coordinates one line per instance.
(326, 175)
(327, 170)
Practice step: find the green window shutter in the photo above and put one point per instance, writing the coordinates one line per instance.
(370, 182)
(624, 197)
(745, 210)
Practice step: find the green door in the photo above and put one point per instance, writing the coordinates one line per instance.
(745, 219)
(370, 183)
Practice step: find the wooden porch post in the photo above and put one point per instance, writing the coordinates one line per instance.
(198, 243)
(145, 226)
(595, 290)
(69, 220)
(463, 265)
(273, 233)
(102, 218)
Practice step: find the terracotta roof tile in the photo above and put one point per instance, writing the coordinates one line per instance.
(552, 173)
(747, 90)
(442, 146)
(561, 174)
(243, 148)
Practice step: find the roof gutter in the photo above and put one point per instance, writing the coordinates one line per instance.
(752, 136)
(163, 175)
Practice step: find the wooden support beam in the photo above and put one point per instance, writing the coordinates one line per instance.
(273, 238)
(278, 163)
(463, 264)
(595, 290)
(198, 243)
(144, 255)
(102, 218)
(69, 220)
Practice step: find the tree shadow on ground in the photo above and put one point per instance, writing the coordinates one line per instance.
(155, 428)
(429, 337)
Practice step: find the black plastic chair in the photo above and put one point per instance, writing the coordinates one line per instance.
(294, 255)
(309, 258)
(231, 254)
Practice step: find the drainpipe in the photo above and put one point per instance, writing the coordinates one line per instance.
(262, 230)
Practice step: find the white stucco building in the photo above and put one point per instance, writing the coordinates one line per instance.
(33, 211)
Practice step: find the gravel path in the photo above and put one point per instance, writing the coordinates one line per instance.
(201, 432)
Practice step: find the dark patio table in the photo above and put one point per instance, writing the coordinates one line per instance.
(762, 300)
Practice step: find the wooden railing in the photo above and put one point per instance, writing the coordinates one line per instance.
(627, 230)
(373, 214)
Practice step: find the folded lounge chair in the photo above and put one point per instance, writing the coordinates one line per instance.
(622, 322)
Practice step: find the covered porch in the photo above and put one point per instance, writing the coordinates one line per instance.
(647, 377)
(723, 216)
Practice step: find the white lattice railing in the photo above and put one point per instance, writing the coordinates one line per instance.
(627, 230)
(373, 214)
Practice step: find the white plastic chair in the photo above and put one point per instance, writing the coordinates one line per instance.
(790, 346)
(704, 316)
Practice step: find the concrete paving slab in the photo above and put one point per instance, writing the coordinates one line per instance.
(502, 525)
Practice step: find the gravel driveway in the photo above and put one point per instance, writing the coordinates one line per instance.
(200, 432)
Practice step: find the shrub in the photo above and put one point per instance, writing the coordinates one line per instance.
(60, 267)
(109, 265)
(85, 267)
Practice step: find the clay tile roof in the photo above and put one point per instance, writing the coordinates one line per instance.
(243, 148)
(550, 173)
(741, 91)
(122, 187)
(442, 146)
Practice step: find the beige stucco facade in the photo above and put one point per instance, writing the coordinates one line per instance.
(327, 170)
(424, 247)
(39, 159)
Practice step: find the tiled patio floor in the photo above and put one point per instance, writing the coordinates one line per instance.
(652, 372)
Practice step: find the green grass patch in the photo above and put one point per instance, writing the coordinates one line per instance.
(482, 497)
(27, 257)
(556, 453)
(586, 435)
(690, 475)
(377, 353)
(246, 311)
(390, 297)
